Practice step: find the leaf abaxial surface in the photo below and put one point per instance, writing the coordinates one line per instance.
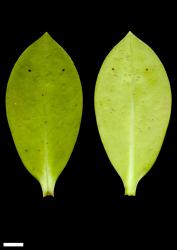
(133, 106)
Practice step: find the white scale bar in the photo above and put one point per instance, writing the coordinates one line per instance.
(13, 244)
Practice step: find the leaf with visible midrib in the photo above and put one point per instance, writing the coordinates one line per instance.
(132, 105)
(44, 107)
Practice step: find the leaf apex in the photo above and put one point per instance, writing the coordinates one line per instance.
(45, 37)
(130, 34)
(46, 34)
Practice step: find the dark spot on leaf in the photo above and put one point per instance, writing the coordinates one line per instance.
(29, 70)
(63, 70)
(42, 94)
(113, 68)
(26, 150)
(45, 122)
(147, 69)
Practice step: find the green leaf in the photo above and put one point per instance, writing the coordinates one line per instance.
(44, 107)
(132, 105)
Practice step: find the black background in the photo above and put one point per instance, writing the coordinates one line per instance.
(89, 195)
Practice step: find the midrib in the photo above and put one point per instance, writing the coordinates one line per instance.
(46, 158)
(131, 143)
(46, 153)
(132, 120)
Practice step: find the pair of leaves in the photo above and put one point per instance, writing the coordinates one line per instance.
(132, 105)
